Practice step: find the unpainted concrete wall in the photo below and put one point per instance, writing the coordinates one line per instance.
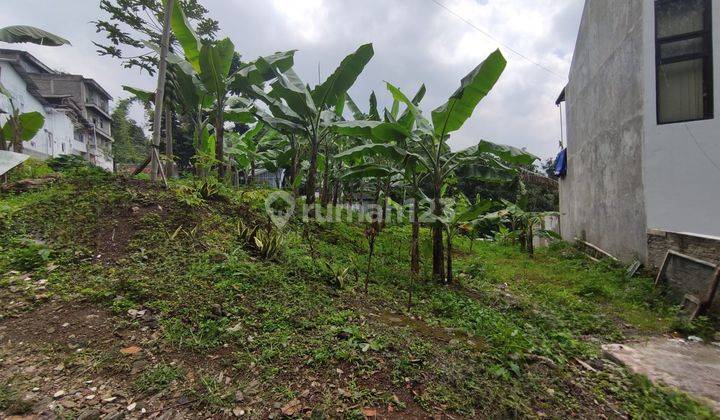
(602, 195)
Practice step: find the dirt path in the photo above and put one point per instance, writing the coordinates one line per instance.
(79, 361)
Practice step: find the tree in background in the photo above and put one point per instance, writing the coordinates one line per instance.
(130, 145)
(132, 23)
(548, 167)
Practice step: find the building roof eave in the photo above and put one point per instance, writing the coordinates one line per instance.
(561, 97)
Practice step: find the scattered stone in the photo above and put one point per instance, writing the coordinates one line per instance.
(89, 414)
(131, 407)
(695, 339)
(238, 412)
(69, 404)
(585, 365)
(239, 396)
(109, 399)
(59, 394)
(235, 328)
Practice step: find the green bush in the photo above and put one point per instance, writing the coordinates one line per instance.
(67, 162)
(31, 168)
(26, 255)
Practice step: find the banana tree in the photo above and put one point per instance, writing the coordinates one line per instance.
(389, 153)
(456, 213)
(19, 127)
(211, 63)
(293, 104)
(257, 145)
(523, 225)
(431, 137)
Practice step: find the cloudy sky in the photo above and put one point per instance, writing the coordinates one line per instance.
(416, 41)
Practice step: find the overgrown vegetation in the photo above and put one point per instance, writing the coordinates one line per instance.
(503, 340)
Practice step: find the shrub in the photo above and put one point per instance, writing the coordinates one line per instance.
(27, 255)
(67, 162)
(31, 168)
(268, 243)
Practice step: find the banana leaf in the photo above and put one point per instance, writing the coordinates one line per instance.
(23, 33)
(369, 170)
(473, 88)
(215, 62)
(30, 123)
(290, 88)
(388, 151)
(186, 36)
(343, 77)
(373, 130)
(509, 154)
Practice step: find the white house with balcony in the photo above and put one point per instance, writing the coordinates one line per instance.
(643, 129)
(77, 119)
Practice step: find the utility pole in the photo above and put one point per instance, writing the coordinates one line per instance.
(155, 165)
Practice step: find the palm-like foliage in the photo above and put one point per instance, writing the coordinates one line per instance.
(295, 107)
(207, 67)
(23, 33)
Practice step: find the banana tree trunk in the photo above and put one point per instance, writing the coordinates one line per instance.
(437, 232)
(295, 163)
(17, 143)
(530, 245)
(325, 194)
(449, 259)
(385, 204)
(376, 201)
(220, 141)
(415, 246)
(336, 190)
(312, 172)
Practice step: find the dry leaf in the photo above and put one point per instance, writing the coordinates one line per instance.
(131, 350)
(292, 407)
(369, 412)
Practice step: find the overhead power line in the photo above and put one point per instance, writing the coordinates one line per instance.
(502, 44)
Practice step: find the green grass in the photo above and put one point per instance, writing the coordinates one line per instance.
(11, 403)
(157, 379)
(470, 349)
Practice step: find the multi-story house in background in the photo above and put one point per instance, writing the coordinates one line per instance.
(643, 124)
(77, 117)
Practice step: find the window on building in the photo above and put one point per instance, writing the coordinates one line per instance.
(683, 52)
